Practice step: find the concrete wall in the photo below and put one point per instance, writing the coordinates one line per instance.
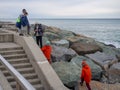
(45, 72)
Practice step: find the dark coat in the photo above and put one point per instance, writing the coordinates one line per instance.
(38, 31)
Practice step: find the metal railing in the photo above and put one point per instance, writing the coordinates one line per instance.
(22, 83)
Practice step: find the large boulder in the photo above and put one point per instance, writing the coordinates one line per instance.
(67, 72)
(64, 34)
(109, 50)
(52, 29)
(62, 43)
(96, 70)
(51, 36)
(62, 54)
(85, 48)
(114, 73)
(80, 39)
(102, 59)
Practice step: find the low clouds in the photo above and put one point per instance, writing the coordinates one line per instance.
(61, 8)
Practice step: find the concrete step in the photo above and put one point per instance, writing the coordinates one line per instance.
(18, 65)
(7, 48)
(18, 60)
(39, 87)
(22, 71)
(32, 81)
(27, 76)
(15, 56)
(6, 37)
(9, 52)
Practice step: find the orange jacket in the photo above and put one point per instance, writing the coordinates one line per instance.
(86, 73)
(47, 51)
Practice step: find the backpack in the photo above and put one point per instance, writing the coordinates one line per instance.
(18, 23)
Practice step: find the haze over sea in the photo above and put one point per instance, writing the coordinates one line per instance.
(103, 30)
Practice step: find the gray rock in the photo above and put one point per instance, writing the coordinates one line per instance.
(64, 34)
(85, 48)
(114, 73)
(67, 72)
(112, 51)
(62, 54)
(80, 39)
(51, 36)
(96, 70)
(63, 43)
(102, 59)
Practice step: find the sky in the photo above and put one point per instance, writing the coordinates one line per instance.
(61, 8)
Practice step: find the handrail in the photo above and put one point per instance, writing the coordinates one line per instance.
(19, 78)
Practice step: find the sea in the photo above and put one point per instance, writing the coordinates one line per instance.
(103, 30)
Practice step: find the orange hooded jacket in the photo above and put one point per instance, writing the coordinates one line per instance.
(47, 51)
(86, 72)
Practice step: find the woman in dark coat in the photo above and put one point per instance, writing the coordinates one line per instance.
(38, 33)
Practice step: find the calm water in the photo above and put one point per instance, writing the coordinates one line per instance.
(104, 30)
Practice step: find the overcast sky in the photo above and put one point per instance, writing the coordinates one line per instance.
(61, 8)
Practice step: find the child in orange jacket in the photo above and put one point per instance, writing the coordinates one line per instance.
(47, 49)
(86, 74)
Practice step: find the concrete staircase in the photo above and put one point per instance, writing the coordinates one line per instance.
(16, 56)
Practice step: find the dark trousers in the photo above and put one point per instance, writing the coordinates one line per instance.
(87, 84)
(39, 41)
(28, 29)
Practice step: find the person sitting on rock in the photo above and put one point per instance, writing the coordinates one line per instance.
(47, 49)
(86, 74)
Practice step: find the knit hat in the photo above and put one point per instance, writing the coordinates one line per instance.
(47, 42)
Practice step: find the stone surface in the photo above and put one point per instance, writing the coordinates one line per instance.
(95, 85)
(102, 59)
(96, 70)
(62, 54)
(51, 36)
(114, 73)
(67, 72)
(62, 43)
(85, 48)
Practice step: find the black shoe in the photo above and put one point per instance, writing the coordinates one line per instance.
(21, 34)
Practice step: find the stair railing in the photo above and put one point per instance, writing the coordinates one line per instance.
(22, 83)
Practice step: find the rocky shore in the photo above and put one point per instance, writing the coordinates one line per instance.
(68, 51)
